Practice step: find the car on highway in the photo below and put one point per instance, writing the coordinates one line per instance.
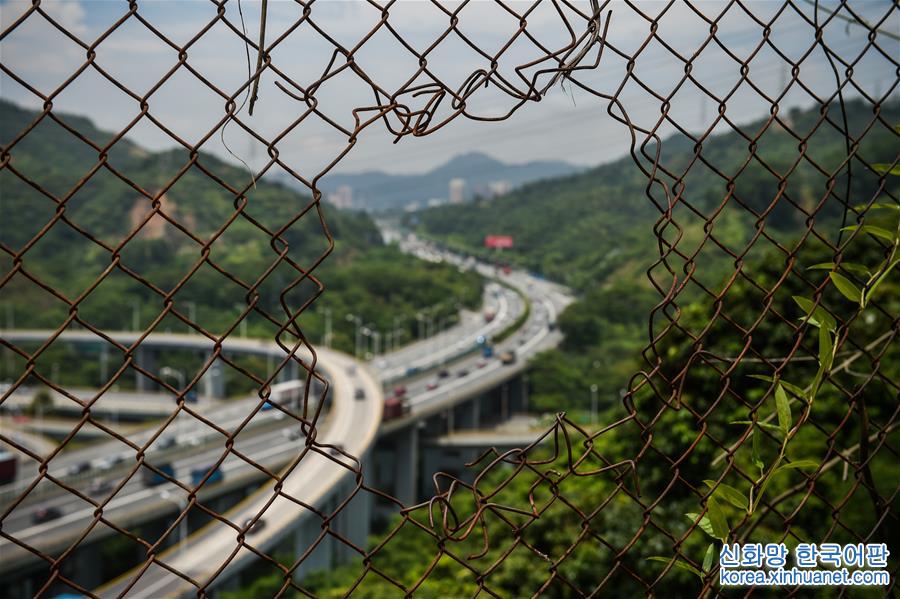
(480, 364)
(399, 391)
(462, 373)
(198, 474)
(292, 433)
(254, 527)
(432, 385)
(336, 449)
(360, 393)
(45, 514)
(443, 373)
(166, 442)
(99, 486)
(110, 461)
(152, 478)
(80, 468)
(507, 358)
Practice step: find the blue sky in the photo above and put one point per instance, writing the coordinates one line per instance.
(566, 124)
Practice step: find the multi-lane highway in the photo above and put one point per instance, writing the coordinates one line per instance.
(445, 369)
(352, 425)
(184, 448)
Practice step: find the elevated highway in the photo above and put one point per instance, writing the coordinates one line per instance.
(447, 383)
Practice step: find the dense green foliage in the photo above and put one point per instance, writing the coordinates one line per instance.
(594, 232)
(66, 237)
(694, 437)
(596, 226)
(682, 447)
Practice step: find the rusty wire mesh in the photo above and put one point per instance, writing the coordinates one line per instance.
(646, 469)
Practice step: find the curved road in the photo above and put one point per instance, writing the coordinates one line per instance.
(351, 425)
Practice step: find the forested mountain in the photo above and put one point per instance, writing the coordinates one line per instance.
(583, 229)
(64, 236)
(594, 232)
(722, 430)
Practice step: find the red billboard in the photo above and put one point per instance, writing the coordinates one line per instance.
(498, 241)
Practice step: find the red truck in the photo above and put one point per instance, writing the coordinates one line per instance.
(394, 407)
(8, 467)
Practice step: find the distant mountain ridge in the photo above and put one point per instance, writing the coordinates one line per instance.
(377, 191)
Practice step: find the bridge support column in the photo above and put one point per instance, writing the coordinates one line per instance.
(214, 381)
(145, 357)
(84, 566)
(406, 475)
(104, 364)
(354, 519)
(290, 372)
(306, 533)
(469, 414)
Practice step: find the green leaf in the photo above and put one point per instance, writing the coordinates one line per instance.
(886, 168)
(879, 280)
(883, 206)
(703, 523)
(678, 563)
(765, 425)
(846, 287)
(853, 267)
(754, 448)
(821, 316)
(793, 389)
(708, 558)
(728, 493)
(717, 519)
(871, 230)
(783, 409)
(798, 464)
(826, 350)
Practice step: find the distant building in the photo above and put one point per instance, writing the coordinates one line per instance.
(457, 191)
(342, 197)
(435, 202)
(499, 188)
(411, 207)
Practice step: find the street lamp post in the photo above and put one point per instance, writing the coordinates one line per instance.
(135, 315)
(192, 315)
(419, 319)
(183, 525)
(243, 325)
(358, 336)
(173, 372)
(593, 404)
(395, 336)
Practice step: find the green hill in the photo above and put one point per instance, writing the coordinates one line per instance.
(584, 229)
(59, 232)
(594, 232)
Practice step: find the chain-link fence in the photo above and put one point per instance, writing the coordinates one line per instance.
(774, 382)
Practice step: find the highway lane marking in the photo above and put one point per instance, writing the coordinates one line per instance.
(432, 358)
(343, 421)
(116, 502)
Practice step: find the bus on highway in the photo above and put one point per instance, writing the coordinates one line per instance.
(152, 478)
